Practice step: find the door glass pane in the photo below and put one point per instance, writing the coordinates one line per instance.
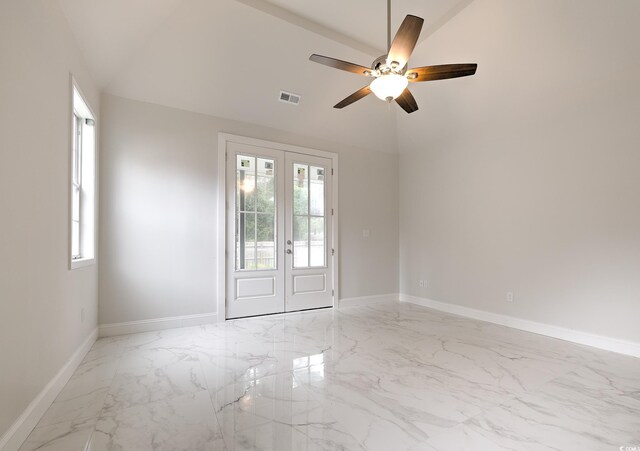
(266, 167)
(300, 189)
(265, 189)
(300, 241)
(265, 195)
(317, 242)
(316, 188)
(246, 241)
(266, 247)
(245, 183)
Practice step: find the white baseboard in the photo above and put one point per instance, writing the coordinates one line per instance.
(366, 300)
(149, 325)
(575, 336)
(22, 427)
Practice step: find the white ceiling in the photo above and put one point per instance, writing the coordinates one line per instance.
(110, 32)
(366, 20)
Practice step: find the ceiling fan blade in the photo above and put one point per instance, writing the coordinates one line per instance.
(407, 101)
(405, 41)
(339, 64)
(442, 72)
(364, 92)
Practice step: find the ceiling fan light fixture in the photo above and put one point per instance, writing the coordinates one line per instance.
(389, 86)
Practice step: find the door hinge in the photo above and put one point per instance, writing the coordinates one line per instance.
(333, 252)
(333, 293)
(332, 212)
(331, 171)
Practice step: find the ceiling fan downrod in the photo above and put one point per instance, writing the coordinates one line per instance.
(388, 26)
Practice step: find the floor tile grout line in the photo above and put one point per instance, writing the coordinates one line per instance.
(101, 415)
(75, 420)
(209, 397)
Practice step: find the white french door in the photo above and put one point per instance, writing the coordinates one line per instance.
(308, 278)
(279, 231)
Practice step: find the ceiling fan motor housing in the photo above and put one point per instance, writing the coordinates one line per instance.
(380, 64)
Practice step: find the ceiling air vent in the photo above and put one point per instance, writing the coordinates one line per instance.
(288, 97)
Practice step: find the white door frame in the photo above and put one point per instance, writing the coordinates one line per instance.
(223, 139)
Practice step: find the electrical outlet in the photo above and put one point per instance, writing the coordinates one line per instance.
(510, 296)
(421, 283)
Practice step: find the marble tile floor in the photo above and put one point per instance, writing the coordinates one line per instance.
(389, 376)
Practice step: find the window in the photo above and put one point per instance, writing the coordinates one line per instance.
(83, 151)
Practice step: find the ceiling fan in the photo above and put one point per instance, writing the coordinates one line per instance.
(389, 72)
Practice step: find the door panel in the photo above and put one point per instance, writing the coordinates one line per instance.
(309, 284)
(255, 257)
(255, 287)
(308, 229)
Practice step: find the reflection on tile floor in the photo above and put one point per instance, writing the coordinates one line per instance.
(389, 377)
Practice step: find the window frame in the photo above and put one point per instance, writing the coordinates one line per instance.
(80, 162)
(76, 185)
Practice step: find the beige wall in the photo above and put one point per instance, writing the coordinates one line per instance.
(40, 298)
(158, 211)
(525, 178)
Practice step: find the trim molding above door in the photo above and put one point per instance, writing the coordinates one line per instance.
(223, 140)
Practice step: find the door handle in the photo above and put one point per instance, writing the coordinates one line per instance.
(289, 242)
(289, 251)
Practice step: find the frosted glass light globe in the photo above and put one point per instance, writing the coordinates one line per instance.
(388, 87)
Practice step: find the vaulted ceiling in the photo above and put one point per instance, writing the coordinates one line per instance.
(230, 58)
(366, 20)
(109, 33)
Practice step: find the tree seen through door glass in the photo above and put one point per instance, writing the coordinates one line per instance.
(256, 213)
